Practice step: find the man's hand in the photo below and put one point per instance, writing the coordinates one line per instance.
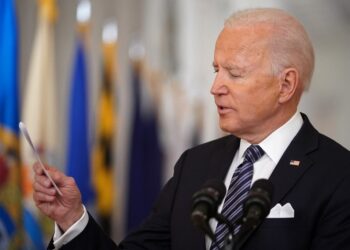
(65, 209)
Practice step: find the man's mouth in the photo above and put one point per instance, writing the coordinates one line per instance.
(223, 110)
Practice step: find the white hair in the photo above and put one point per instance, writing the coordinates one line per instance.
(289, 44)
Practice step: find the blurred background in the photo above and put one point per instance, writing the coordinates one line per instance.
(113, 91)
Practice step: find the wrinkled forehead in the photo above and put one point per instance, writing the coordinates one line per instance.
(243, 42)
(255, 37)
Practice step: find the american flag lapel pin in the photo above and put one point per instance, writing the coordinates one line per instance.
(294, 163)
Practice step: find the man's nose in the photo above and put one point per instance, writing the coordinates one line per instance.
(218, 87)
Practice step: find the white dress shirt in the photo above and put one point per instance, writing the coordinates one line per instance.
(60, 239)
(274, 146)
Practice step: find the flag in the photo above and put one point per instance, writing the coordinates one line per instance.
(145, 163)
(78, 154)
(103, 157)
(40, 116)
(10, 193)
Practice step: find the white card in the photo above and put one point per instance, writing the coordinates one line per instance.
(25, 132)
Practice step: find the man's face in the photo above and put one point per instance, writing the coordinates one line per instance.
(245, 90)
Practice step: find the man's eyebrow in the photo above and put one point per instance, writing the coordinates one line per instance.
(228, 66)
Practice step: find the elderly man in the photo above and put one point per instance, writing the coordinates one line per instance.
(263, 62)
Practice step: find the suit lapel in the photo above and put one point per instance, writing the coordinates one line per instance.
(222, 159)
(295, 161)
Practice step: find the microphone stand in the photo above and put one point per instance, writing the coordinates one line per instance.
(235, 242)
(229, 243)
(242, 237)
(247, 229)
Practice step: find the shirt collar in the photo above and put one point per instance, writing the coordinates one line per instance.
(277, 142)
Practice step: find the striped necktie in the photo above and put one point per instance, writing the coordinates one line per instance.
(236, 194)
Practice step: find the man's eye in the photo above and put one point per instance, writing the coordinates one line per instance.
(235, 75)
(216, 71)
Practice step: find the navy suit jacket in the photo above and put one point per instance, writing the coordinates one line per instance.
(318, 190)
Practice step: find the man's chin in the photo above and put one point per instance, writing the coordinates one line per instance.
(228, 128)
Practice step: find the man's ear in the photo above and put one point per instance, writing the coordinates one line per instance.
(289, 83)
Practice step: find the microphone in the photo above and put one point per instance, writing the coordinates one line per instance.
(205, 204)
(256, 207)
(258, 203)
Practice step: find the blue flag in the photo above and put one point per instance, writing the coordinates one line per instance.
(145, 161)
(9, 112)
(10, 195)
(78, 155)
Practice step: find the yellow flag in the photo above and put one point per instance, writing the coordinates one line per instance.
(103, 156)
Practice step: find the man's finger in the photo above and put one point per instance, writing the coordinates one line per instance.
(37, 168)
(42, 180)
(41, 197)
(57, 176)
(43, 189)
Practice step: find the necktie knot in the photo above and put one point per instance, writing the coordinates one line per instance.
(253, 153)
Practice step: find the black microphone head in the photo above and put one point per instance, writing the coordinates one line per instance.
(205, 204)
(259, 199)
(216, 186)
(209, 197)
(263, 185)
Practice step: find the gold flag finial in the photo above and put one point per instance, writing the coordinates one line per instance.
(48, 9)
